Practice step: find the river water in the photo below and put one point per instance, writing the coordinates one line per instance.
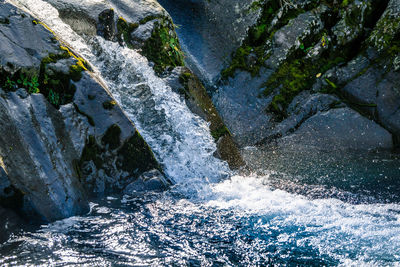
(293, 208)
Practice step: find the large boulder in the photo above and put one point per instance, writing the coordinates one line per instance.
(349, 50)
(63, 136)
(340, 129)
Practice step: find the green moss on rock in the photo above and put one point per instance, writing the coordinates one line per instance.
(163, 47)
(135, 155)
(112, 137)
(91, 152)
(125, 29)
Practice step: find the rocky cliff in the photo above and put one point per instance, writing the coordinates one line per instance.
(302, 59)
(63, 136)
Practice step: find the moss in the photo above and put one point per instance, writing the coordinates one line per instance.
(75, 72)
(112, 137)
(258, 37)
(125, 29)
(109, 105)
(220, 132)
(163, 48)
(293, 77)
(91, 152)
(148, 18)
(135, 155)
(386, 32)
(53, 58)
(4, 20)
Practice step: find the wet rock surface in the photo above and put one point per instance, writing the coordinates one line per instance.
(348, 51)
(57, 119)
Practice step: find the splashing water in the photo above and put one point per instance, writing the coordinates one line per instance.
(180, 140)
(201, 221)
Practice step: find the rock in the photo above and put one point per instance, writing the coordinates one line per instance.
(23, 44)
(10, 223)
(303, 106)
(38, 157)
(387, 27)
(70, 139)
(149, 181)
(101, 17)
(339, 129)
(198, 101)
(291, 36)
(388, 103)
(353, 18)
(242, 109)
(360, 91)
(82, 15)
(142, 33)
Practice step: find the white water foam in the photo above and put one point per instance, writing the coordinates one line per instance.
(354, 234)
(180, 140)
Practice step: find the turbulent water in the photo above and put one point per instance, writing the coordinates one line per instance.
(296, 209)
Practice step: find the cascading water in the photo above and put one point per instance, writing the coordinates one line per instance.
(243, 221)
(180, 140)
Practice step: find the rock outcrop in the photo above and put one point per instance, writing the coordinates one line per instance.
(347, 51)
(63, 137)
(145, 26)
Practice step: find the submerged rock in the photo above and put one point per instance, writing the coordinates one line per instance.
(148, 181)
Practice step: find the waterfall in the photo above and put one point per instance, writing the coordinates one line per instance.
(180, 140)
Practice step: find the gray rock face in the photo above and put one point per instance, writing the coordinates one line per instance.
(314, 33)
(22, 44)
(38, 157)
(102, 141)
(242, 109)
(362, 90)
(304, 106)
(292, 36)
(100, 17)
(340, 129)
(45, 152)
(388, 103)
(10, 223)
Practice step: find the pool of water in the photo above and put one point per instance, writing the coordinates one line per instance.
(322, 214)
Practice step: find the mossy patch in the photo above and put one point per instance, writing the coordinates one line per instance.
(293, 77)
(109, 105)
(125, 29)
(252, 54)
(56, 86)
(112, 137)
(136, 156)
(91, 152)
(163, 47)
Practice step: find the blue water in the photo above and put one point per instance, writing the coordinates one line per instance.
(292, 208)
(241, 221)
